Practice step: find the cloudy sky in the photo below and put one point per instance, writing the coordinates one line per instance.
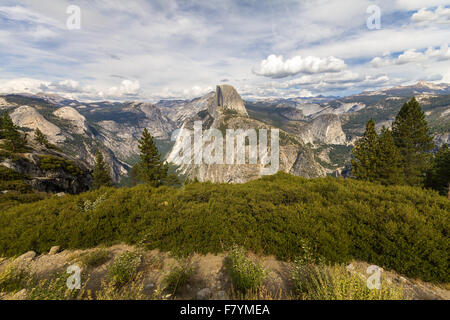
(165, 49)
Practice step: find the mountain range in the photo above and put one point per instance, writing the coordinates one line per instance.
(316, 134)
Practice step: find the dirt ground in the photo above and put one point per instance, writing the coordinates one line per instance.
(209, 279)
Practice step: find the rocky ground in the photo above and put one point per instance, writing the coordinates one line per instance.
(209, 279)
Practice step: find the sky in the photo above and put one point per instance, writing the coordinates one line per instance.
(167, 49)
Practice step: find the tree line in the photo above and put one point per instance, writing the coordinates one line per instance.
(403, 154)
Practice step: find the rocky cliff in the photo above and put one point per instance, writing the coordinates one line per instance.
(225, 111)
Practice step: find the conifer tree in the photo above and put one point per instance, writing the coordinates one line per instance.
(365, 154)
(101, 174)
(15, 141)
(150, 169)
(388, 161)
(413, 140)
(438, 177)
(40, 138)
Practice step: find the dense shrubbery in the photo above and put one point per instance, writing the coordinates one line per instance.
(49, 162)
(397, 227)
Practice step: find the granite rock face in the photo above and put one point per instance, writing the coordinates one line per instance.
(227, 98)
(29, 117)
(226, 111)
(326, 129)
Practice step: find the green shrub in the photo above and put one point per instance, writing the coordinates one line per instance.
(16, 185)
(14, 198)
(50, 163)
(336, 283)
(94, 258)
(124, 268)
(177, 277)
(8, 174)
(397, 227)
(245, 273)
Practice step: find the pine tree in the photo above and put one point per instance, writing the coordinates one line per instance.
(40, 138)
(388, 161)
(101, 173)
(365, 154)
(438, 177)
(150, 169)
(15, 141)
(413, 140)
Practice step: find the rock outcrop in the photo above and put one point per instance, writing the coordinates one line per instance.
(225, 110)
(226, 98)
(77, 120)
(29, 117)
(325, 129)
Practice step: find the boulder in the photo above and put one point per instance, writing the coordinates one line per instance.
(26, 257)
(54, 250)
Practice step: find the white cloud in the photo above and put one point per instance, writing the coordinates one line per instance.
(126, 88)
(413, 56)
(425, 16)
(275, 66)
(22, 85)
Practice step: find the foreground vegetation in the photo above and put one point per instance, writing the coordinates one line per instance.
(399, 227)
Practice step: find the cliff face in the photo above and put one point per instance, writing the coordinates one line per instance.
(226, 98)
(49, 170)
(325, 129)
(226, 110)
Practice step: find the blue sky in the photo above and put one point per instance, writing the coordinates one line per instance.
(163, 49)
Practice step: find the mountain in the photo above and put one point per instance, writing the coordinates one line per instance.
(317, 132)
(223, 111)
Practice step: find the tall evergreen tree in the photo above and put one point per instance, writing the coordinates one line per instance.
(365, 154)
(413, 140)
(40, 138)
(438, 177)
(150, 169)
(101, 172)
(15, 141)
(388, 161)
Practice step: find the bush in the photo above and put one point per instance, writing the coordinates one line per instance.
(8, 174)
(397, 227)
(336, 283)
(124, 268)
(49, 163)
(245, 274)
(94, 258)
(177, 277)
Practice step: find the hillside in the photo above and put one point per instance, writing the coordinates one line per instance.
(399, 228)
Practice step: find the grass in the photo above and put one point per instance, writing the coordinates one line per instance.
(55, 288)
(132, 290)
(13, 279)
(177, 277)
(124, 268)
(245, 274)
(313, 282)
(94, 258)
